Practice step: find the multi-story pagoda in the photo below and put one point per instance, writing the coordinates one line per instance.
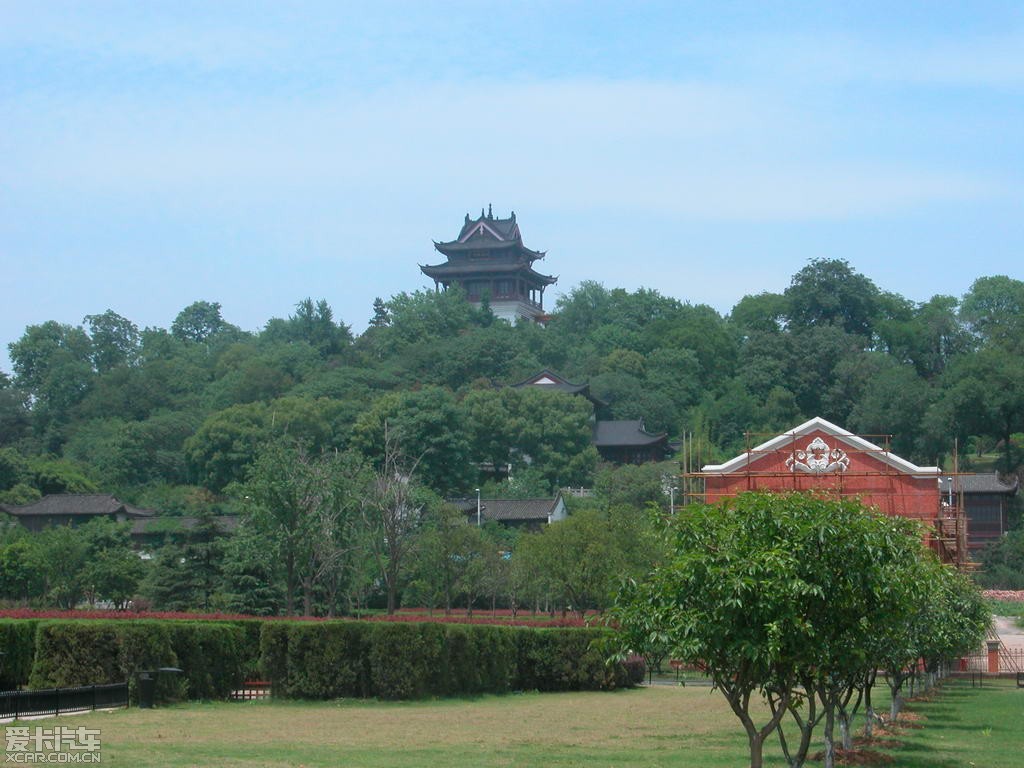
(488, 259)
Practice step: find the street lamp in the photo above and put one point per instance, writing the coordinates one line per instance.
(477, 507)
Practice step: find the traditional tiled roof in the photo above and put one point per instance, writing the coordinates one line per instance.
(510, 509)
(551, 380)
(986, 482)
(56, 504)
(631, 432)
(501, 245)
(516, 266)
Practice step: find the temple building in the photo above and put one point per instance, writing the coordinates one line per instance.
(820, 457)
(489, 261)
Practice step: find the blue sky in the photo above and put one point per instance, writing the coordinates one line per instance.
(153, 154)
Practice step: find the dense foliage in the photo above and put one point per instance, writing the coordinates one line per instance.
(309, 660)
(187, 420)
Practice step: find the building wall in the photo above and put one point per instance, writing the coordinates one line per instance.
(866, 477)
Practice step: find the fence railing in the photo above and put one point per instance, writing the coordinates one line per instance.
(1010, 660)
(57, 701)
(251, 690)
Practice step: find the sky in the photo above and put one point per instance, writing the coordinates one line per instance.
(253, 154)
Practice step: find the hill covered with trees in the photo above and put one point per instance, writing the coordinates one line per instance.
(176, 419)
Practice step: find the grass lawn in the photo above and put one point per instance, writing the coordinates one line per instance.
(661, 726)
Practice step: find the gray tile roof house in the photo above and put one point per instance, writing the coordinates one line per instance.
(529, 513)
(987, 501)
(73, 509)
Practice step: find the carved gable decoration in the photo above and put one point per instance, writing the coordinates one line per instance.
(818, 459)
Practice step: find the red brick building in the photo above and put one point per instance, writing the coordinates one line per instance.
(820, 456)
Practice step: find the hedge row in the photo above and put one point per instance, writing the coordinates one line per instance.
(17, 644)
(403, 661)
(321, 660)
(212, 655)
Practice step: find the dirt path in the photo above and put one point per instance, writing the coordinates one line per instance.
(1011, 635)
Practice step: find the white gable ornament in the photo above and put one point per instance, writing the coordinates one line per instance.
(818, 459)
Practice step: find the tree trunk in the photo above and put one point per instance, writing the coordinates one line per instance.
(289, 585)
(307, 597)
(897, 700)
(830, 748)
(844, 731)
(869, 712)
(756, 750)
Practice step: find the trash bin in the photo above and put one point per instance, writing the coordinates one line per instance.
(147, 689)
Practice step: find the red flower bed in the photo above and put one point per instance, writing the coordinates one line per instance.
(405, 616)
(493, 620)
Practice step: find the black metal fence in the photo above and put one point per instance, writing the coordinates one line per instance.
(56, 701)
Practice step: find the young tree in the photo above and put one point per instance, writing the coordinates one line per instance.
(776, 596)
(392, 511)
(298, 500)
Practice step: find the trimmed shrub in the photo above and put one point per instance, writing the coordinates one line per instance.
(210, 654)
(327, 661)
(411, 660)
(406, 660)
(70, 653)
(565, 660)
(274, 656)
(312, 660)
(18, 646)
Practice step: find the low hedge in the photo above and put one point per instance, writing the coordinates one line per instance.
(336, 659)
(309, 660)
(17, 644)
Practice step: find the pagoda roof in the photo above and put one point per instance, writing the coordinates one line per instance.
(489, 267)
(488, 233)
(625, 433)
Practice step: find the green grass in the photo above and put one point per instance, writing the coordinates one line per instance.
(663, 726)
(1006, 607)
(965, 726)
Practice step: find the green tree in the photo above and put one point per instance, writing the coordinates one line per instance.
(116, 341)
(15, 416)
(830, 292)
(301, 503)
(59, 556)
(252, 579)
(112, 570)
(775, 595)
(582, 559)
(312, 323)
(53, 362)
(993, 309)
(392, 513)
(20, 580)
(199, 322)
(428, 424)
(530, 427)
